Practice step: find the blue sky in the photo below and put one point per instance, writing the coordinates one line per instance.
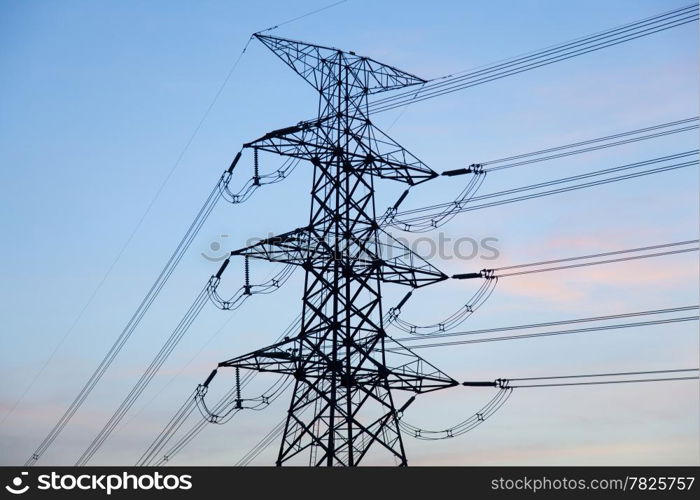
(99, 98)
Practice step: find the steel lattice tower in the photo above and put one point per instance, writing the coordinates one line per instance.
(342, 406)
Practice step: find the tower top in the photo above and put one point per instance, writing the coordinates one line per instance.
(324, 67)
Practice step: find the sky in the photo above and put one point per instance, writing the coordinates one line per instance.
(100, 99)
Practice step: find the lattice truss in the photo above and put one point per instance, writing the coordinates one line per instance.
(342, 405)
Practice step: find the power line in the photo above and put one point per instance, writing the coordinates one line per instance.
(145, 378)
(585, 175)
(176, 422)
(613, 374)
(587, 149)
(607, 261)
(600, 254)
(449, 323)
(464, 426)
(486, 68)
(494, 273)
(176, 336)
(131, 325)
(605, 382)
(444, 212)
(486, 79)
(575, 187)
(415, 215)
(297, 18)
(408, 224)
(547, 324)
(618, 135)
(505, 389)
(553, 333)
(556, 46)
(129, 239)
(585, 45)
(261, 445)
(545, 383)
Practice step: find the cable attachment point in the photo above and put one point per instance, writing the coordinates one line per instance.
(488, 274)
(476, 168)
(502, 383)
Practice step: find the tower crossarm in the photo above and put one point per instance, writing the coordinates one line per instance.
(318, 65)
(300, 358)
(368, 149)
(312, 249)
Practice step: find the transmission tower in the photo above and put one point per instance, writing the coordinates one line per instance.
(343, 404)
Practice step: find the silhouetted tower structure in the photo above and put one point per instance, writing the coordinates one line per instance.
(343, 405)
